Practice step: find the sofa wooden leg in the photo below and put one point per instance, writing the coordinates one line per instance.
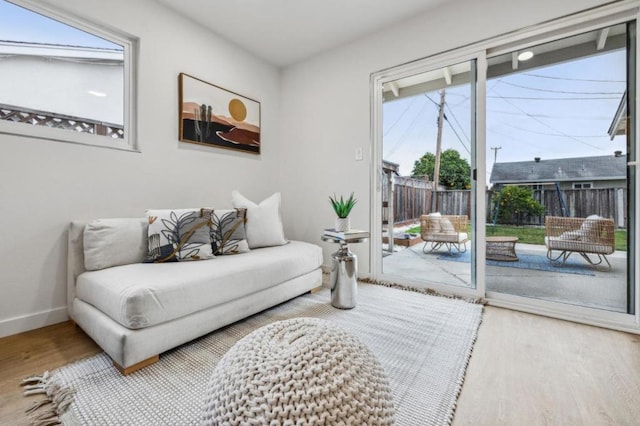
(73, 323)
(135, 367)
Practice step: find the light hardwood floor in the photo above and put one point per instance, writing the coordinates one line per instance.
(525, 370)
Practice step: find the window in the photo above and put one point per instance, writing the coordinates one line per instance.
(582, 185)
(64, 79)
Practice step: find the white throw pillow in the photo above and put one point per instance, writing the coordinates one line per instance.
(446, 226)
(264, 224)
(114, 242)
(590, 226)
(434, 223)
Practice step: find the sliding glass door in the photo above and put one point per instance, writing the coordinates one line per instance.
(507, 170)
(427, 189)
(558, 142)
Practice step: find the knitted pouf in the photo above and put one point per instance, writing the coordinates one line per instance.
(300, 371)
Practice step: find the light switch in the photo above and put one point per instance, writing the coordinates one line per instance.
(358, 154)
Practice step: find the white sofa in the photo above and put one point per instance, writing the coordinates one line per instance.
(137, 311)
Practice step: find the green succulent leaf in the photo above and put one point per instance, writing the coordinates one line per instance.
(341, 206)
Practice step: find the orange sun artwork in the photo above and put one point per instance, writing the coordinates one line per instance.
(237, 109)
(211, 115)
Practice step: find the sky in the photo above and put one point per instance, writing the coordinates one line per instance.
(556, 111)
(19, 24)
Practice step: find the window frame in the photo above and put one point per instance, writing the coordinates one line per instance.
(130, 48)
(581, 185)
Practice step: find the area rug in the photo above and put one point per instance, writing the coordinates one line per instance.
(423, 343)
(530, 261)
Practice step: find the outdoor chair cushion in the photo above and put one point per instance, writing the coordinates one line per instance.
(445, 237)
(558, 243)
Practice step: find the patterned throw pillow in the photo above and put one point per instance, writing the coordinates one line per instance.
(227, 231)
(178, 235)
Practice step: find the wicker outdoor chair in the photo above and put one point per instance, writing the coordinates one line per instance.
(593, 235)
(444, 230)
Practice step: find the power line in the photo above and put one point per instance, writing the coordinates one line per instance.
(572, 79)
(434, 102)
(457, 136)
(549, 134)
(401, 115)
(406, 133)
(563, 117)
(457, 122)
(555, 99)
(560, 91)
(555, 117)
(449, 123)
(548, 126)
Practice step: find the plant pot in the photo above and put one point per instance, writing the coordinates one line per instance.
(343, 224)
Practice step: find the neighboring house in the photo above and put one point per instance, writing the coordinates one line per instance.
(80, 81)
(607, 171)
(61, 86)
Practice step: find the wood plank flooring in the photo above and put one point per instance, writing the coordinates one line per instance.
(532, 370)
(525, 370)
(31, 353)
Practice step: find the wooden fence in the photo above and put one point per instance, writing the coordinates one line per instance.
(410, 196)
(413, 197)
(605, 202)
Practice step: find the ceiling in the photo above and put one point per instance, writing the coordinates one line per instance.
(283, 32)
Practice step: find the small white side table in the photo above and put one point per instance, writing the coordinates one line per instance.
(343, 279)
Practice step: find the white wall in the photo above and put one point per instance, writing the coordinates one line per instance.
(44, 185)
(325, 103)
(324, 117)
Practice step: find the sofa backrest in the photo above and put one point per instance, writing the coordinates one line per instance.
(75, 261)
(103, 243)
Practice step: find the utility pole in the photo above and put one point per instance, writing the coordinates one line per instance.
(436, 165)
(495, 153)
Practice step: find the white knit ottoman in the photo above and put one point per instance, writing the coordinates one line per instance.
(302, 371)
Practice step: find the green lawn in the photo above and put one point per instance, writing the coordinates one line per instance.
(531, 234)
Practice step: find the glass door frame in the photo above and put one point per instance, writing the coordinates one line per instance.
(563, 27)
(478, 210)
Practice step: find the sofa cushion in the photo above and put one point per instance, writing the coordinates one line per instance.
(114, 242)
(146, 294)
(227, 230)
(177, 235)
(264, 224)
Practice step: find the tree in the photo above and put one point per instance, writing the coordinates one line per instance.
(455, 172)
(514, 203)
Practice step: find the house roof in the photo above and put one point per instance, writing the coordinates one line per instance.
(389, 166)
(606, 167)
(79, 53)
(619, 123)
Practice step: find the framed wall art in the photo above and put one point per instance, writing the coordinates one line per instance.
(213, 116)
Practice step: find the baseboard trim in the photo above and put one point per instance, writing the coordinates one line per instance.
(40, 319)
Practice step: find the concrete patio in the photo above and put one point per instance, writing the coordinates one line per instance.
(602, 290)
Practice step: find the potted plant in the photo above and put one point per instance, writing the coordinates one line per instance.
(342, 208)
